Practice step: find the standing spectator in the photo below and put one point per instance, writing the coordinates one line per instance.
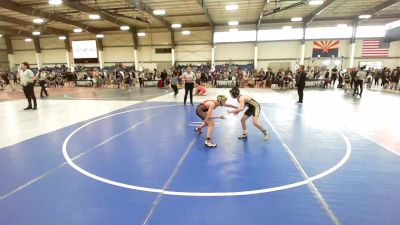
(141, 79)
(188, 77)
(394, 79)
(376, 78)
(27, 79)
(359, 81)
(340, 85)
(334, 75)
(174, 84)
(164, 75)
(42, 82)
(301, 83)
(353, 75)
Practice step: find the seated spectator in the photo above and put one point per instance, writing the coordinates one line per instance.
(199, 90)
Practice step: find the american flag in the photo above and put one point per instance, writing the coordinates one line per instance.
(375, 48)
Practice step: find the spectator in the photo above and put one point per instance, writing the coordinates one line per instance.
(301, 83)
(27, 82)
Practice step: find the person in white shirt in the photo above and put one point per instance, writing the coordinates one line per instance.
(188, 77)
(361, 75)
(27, 79)
(42, 75)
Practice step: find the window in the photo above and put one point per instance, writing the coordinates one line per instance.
(238, 36)
(280, 34)
(328, 32)
(163, 50)
(370, 31)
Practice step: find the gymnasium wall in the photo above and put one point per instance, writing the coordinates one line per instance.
(194, 48)
(3, 55)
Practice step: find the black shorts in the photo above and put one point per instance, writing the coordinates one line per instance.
(201, 112)
(253, 110)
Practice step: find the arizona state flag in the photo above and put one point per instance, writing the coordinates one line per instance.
(325, 49)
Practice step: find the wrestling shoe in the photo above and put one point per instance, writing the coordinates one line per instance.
(210, 144)
(243, 136)
(198, 130)
(266, 137)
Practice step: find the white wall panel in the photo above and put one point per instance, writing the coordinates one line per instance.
(25, 56)
(118, 40)
(194, 38)
(53, 56)
(51, 43)
(161, 38)
(147, 54)
(118, 54)
(21, 44)
(237, 51)
(189, 53)
(277, 50)
(2, 43)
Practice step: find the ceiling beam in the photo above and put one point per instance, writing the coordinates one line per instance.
(205, 10)
(87, 9)
(44, 29)
(374, 11)
(261, 14)
(139, 4)
(327, 19)
(382, 6)
(14, 31)
(186, 14)
(310, 17)
(7, 4)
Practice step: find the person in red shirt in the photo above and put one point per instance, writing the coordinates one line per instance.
(204, 111)
(200, 90)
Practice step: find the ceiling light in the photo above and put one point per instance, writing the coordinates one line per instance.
(296, 19)
(99, 35)
(159, 12)
(316, 2)
(94, 17)
(186, 32)
(176, 25)
(36, 33)
(77, 30)
(62, 37)
(364, 16)
(39, 21)
(341, 25)
(28, 39)
(124, 28)
(233, 23)
(141, 34)
(287, 27)
(233, 30)
(1, 35)
(231, 7)
(55, 2)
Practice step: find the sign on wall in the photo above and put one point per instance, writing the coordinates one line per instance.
(84, 51)
(326, 48)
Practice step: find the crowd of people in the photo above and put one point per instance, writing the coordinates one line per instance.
(121, 76)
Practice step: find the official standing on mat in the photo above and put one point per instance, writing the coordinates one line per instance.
(188, 77)
(27, 79)
(301, 83)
